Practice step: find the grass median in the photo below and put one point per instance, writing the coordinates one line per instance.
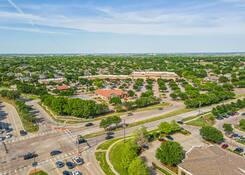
(101, 158)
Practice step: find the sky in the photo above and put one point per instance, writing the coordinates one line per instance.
(122, 26)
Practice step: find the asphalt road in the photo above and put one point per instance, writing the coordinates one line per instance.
(13, 163)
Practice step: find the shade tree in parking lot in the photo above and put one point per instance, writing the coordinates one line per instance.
(211, 134)
(242, 124)
(170, 153)
(227, 127)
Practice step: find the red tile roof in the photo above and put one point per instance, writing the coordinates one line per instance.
(109, 92)
(63, 87)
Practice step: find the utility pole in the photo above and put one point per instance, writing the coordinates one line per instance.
(199, 111)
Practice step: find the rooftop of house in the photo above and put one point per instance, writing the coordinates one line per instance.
(213, 160)
(109, 92)
(63, 87)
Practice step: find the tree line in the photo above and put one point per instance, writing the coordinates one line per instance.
(228, 109)
(74, 106)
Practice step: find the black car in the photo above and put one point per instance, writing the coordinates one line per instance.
(23, 132)
(169, 137)
(81, 140)
(108, 137)
(70, 165)
(130, 114)
(66, 172)
(239, 150)
(89, 124)
(30, 156)
(55, 152)
(110, 133)
(180, 122)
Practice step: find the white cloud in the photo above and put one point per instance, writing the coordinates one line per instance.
(144, 22)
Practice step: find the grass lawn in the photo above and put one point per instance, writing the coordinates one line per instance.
(101, 158)
(169, 114)
(115, 157)
(39, 173)
(29, 96)
(204, 120)
(105, 145)
(161, 169)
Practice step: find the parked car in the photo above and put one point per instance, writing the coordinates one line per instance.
(59, 164)
(89, 124)
(66, 172)
(239, 150)
(78, 160)
(243, 113)
(2, 138)
(8, 135)
(8, 130)
(70, 165)
(224, 146)
(169, 137)
(30, 155)
(76, 173)
(219, 118)
(55, 152)
(235, 135)
(162, 139)
(23, 132)
(145, 146)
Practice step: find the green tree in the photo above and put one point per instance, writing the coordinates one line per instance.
(137, 167)
(242, 124)
(129, 153)
(212, 134)
(109, 121)
(131, 93)
(140, 135)
(115, 100)
(168, 128)
(227, 127)
(170, 153)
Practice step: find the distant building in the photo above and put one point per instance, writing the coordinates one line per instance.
(62, 88)
(55, 80)
(211, 160)
(108, 93)
(154, 75)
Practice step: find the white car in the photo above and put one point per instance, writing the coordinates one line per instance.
(8, 135)
(78, 160)
(76, 173)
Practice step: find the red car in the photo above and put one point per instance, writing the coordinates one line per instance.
(162, 140)
(224, 146)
